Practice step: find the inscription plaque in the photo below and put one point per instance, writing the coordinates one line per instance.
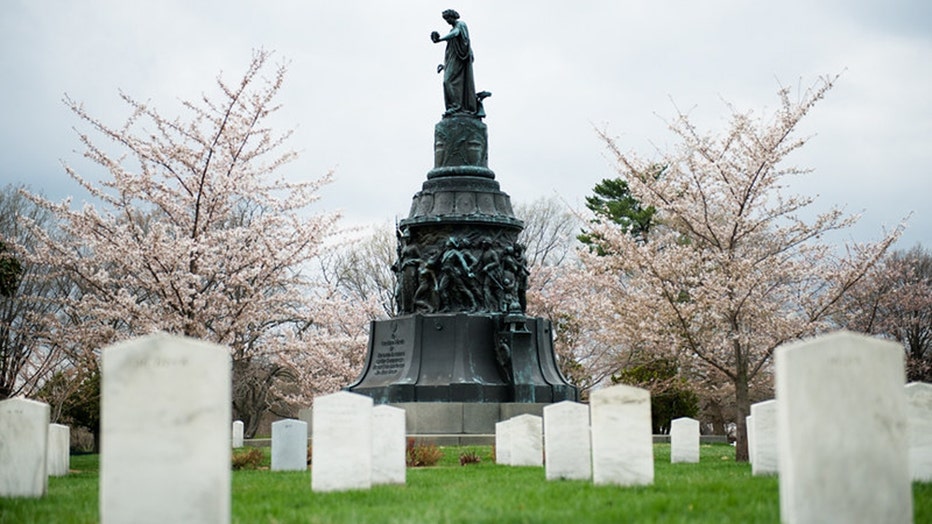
(393, 344)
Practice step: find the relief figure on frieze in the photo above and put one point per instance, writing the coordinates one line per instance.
(521, 275)
(457, 279)
(408, 271)
(426, 296)
(510, 270)
(490, 271)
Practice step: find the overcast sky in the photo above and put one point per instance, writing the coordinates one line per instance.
(363, 95)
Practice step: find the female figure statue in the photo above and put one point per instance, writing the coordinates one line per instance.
(459, 87)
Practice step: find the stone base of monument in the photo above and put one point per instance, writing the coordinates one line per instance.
(462, 357)
(460, 373)
(461, 423)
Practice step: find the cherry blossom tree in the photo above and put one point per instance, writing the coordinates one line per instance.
(361, 267)
(549, 235)
(730, 268)
(194, 232)
(896, 302)
(358, 288)
(27, 300)
(586, 337)
(559, 291)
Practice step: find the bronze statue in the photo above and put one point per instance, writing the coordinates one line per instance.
(460, 327)
(459, 87)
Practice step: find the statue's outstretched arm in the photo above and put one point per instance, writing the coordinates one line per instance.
(455, 32)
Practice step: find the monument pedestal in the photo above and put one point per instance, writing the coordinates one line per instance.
(461, 423)
(462, 357)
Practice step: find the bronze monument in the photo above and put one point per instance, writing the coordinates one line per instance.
(460, 334)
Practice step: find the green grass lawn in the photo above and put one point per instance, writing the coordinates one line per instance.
(715, 490)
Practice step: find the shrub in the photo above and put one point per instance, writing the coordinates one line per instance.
(82, 440)
(422, 455)
(469, 457)
(247, 459)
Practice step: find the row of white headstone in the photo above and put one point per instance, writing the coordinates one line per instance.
(356, 445)
(289, 443)
(609, 441)
(764, 451)
(166, 446)
(841, 419)
(349, 430)
(166, 441)
(845, 435)
(31, 449)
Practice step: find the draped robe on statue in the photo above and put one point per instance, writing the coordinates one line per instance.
(459, 88)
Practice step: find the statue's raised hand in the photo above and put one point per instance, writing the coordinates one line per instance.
(435, 37)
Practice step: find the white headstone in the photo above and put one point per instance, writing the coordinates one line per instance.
(919, 412)
(841, 419)
(24, 428)
(622, 442)
(307, 415)
(289, 445)
(237, 433)
(503, 443)
(752, 442)
(684, 440)
(59, 450)
(527, 447)
(388, 445)
(342, 443)
(165, 431)
(566, 441)
(765, 451)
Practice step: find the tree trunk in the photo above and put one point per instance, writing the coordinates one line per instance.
(743, 409)
(251, 424)
(713, 412)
